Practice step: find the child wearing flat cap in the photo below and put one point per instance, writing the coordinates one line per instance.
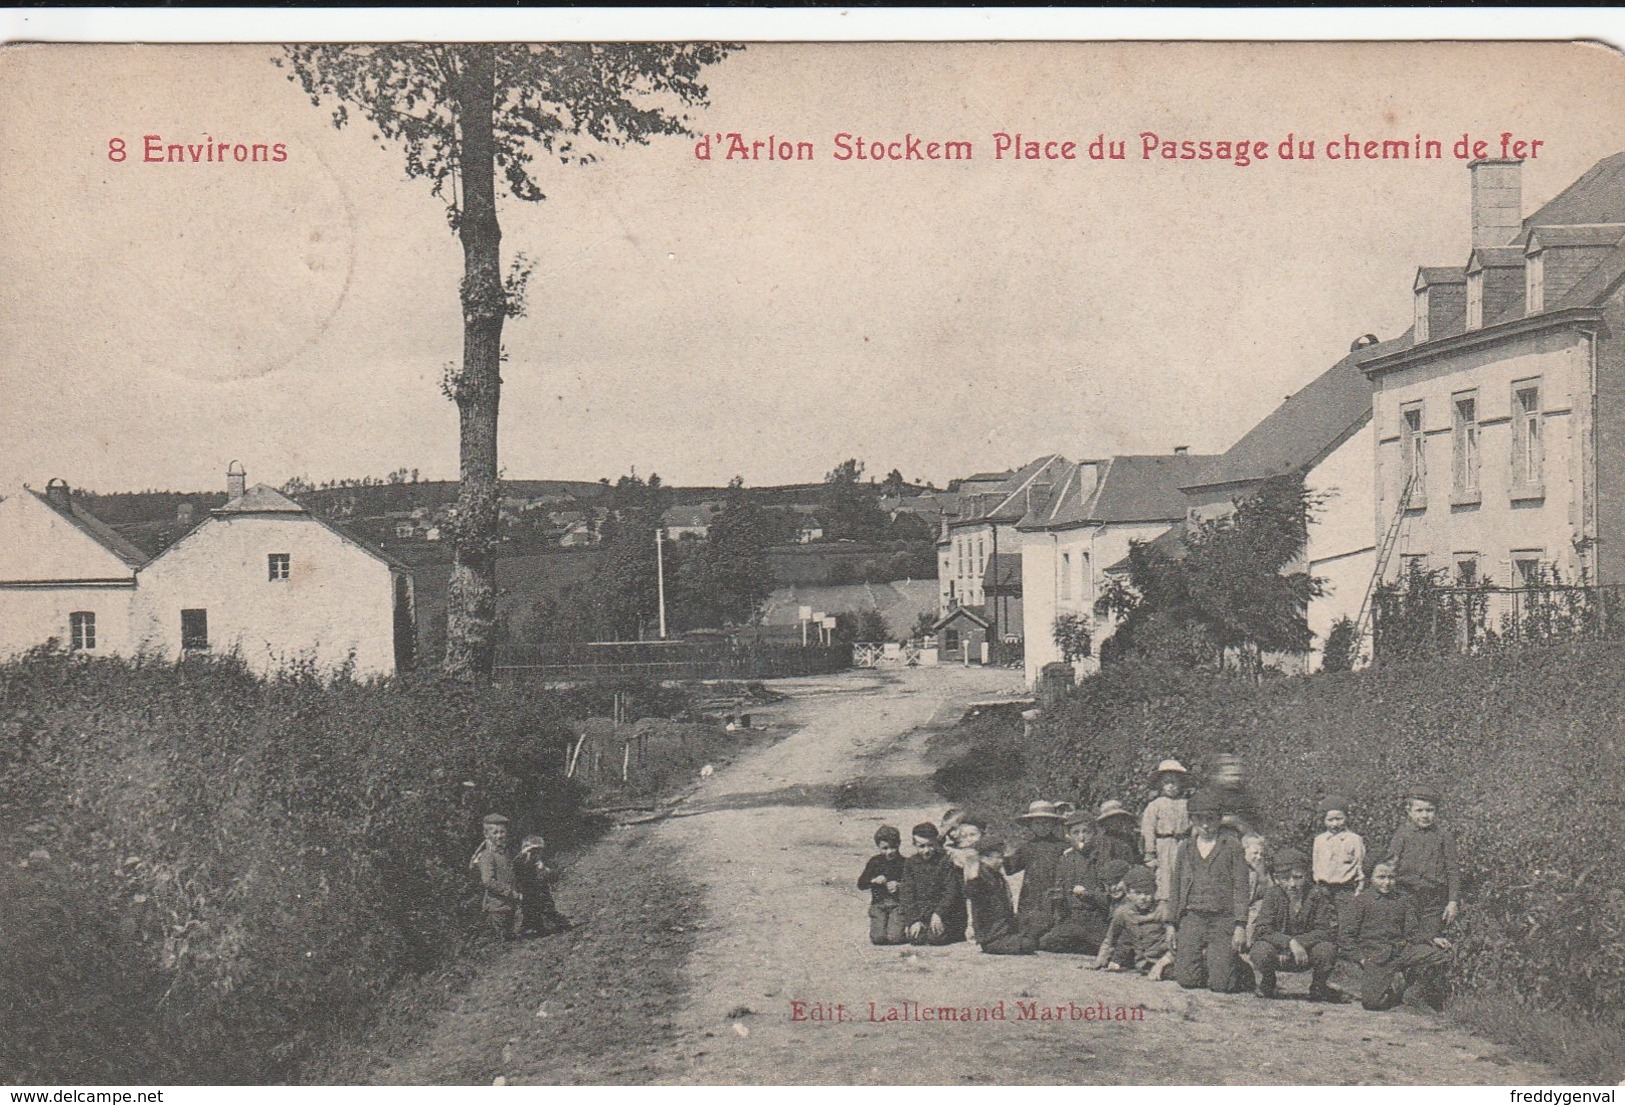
(494, 861)
(883, 877)
(1426, 863)
(1295, 930)
(1137, 935)
(1207, 916)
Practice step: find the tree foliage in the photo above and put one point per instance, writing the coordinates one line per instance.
(1232, 591)
(848, 506)
(466, 116)
(724, 579)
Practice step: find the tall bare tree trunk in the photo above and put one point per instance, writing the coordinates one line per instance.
(471, 596)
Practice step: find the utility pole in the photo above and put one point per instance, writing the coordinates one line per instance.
(660, 575)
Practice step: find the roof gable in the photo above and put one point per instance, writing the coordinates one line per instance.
(1598, 196)
(48, 540)
(262, 498)
(1306, 428)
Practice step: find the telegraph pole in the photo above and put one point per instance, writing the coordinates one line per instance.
(660, 575)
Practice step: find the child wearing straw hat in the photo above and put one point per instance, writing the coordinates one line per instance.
(1165, 822)
(1037, 859)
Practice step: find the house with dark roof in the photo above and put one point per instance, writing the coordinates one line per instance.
(1088, 519)
(260, 576)
(983, 532)
(1322, 433)
(266, 579)
(1500, 419)
(64, 575)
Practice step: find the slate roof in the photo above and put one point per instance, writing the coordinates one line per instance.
(688, 516)
(960, 612)
(1009, 502)
(262, 498)
(1305, 428)
(1598, 196)
(1002, 573)
(1589, 234)
(97, 530)
(1130, 489)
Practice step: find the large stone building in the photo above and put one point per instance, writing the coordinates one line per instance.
(1500, 423)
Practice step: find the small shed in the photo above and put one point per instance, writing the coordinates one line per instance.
(962, 636)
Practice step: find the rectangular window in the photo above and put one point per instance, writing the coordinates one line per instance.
(1527, 459)
(1465, 448)
(1421, 334)
(1414, 442)
(278, 565)
(1534, 284)
(1466, 569)
(194, 629)
(1475, 300)
(981, 558)
(1066, 576)
(82, 630)
(1526, 567)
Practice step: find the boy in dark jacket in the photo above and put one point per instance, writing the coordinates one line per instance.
(1425, 862)
(1207, 916)
(932, 894)
(883, 877)
(1396, 953)
(499, 901)
(533, 878)
(1038, 858)
(1137, 935)
(1294, 930)
(996, 928)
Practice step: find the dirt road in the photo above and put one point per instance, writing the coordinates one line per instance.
(772, 845)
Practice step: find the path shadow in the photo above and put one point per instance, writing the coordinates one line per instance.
(868, 792)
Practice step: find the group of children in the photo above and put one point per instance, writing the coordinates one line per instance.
(1195, 894)
(516, 890)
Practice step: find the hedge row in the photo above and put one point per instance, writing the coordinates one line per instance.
(201, 873)
(1527, 747)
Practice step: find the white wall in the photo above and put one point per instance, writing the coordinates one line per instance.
(1342, 540)
(37, 543)
(337, 600)
(31, 616)
(1495, 526)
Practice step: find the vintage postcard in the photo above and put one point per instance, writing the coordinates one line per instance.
(847, 563)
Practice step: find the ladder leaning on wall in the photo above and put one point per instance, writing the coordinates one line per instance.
(1385, 552)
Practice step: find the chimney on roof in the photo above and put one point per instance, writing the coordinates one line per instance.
(1497, 202)
(236, 480)
(1182, 450)
(58, 494)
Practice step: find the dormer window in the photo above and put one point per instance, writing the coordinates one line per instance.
(1421, 334)
(1534, 283)
(1475, 300)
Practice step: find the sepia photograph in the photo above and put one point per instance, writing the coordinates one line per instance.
(860, 563)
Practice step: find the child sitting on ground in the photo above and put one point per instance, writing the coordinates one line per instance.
(1398, 959)
(1294, 930)
(533, 878)
(882, 877)
(1137, 935)
(991, 914)
(932, 894)
(1079, 897)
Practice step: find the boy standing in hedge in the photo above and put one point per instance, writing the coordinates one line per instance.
(494, 861)
(1339, 856)
(1426, 865)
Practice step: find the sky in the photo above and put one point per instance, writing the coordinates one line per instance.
(702, 319)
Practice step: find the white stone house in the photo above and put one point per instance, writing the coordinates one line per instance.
(1092, 515)
(1505, 412)
(63, 575)
(266, 579)
(260, 577)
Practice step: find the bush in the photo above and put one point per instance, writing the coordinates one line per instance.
(1524, 745)
(205, 873)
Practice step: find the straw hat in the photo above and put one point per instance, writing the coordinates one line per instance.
(1040, 810)
(1171, 765)
(1111, 808)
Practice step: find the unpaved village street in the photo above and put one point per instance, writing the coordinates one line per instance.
(774, 843)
